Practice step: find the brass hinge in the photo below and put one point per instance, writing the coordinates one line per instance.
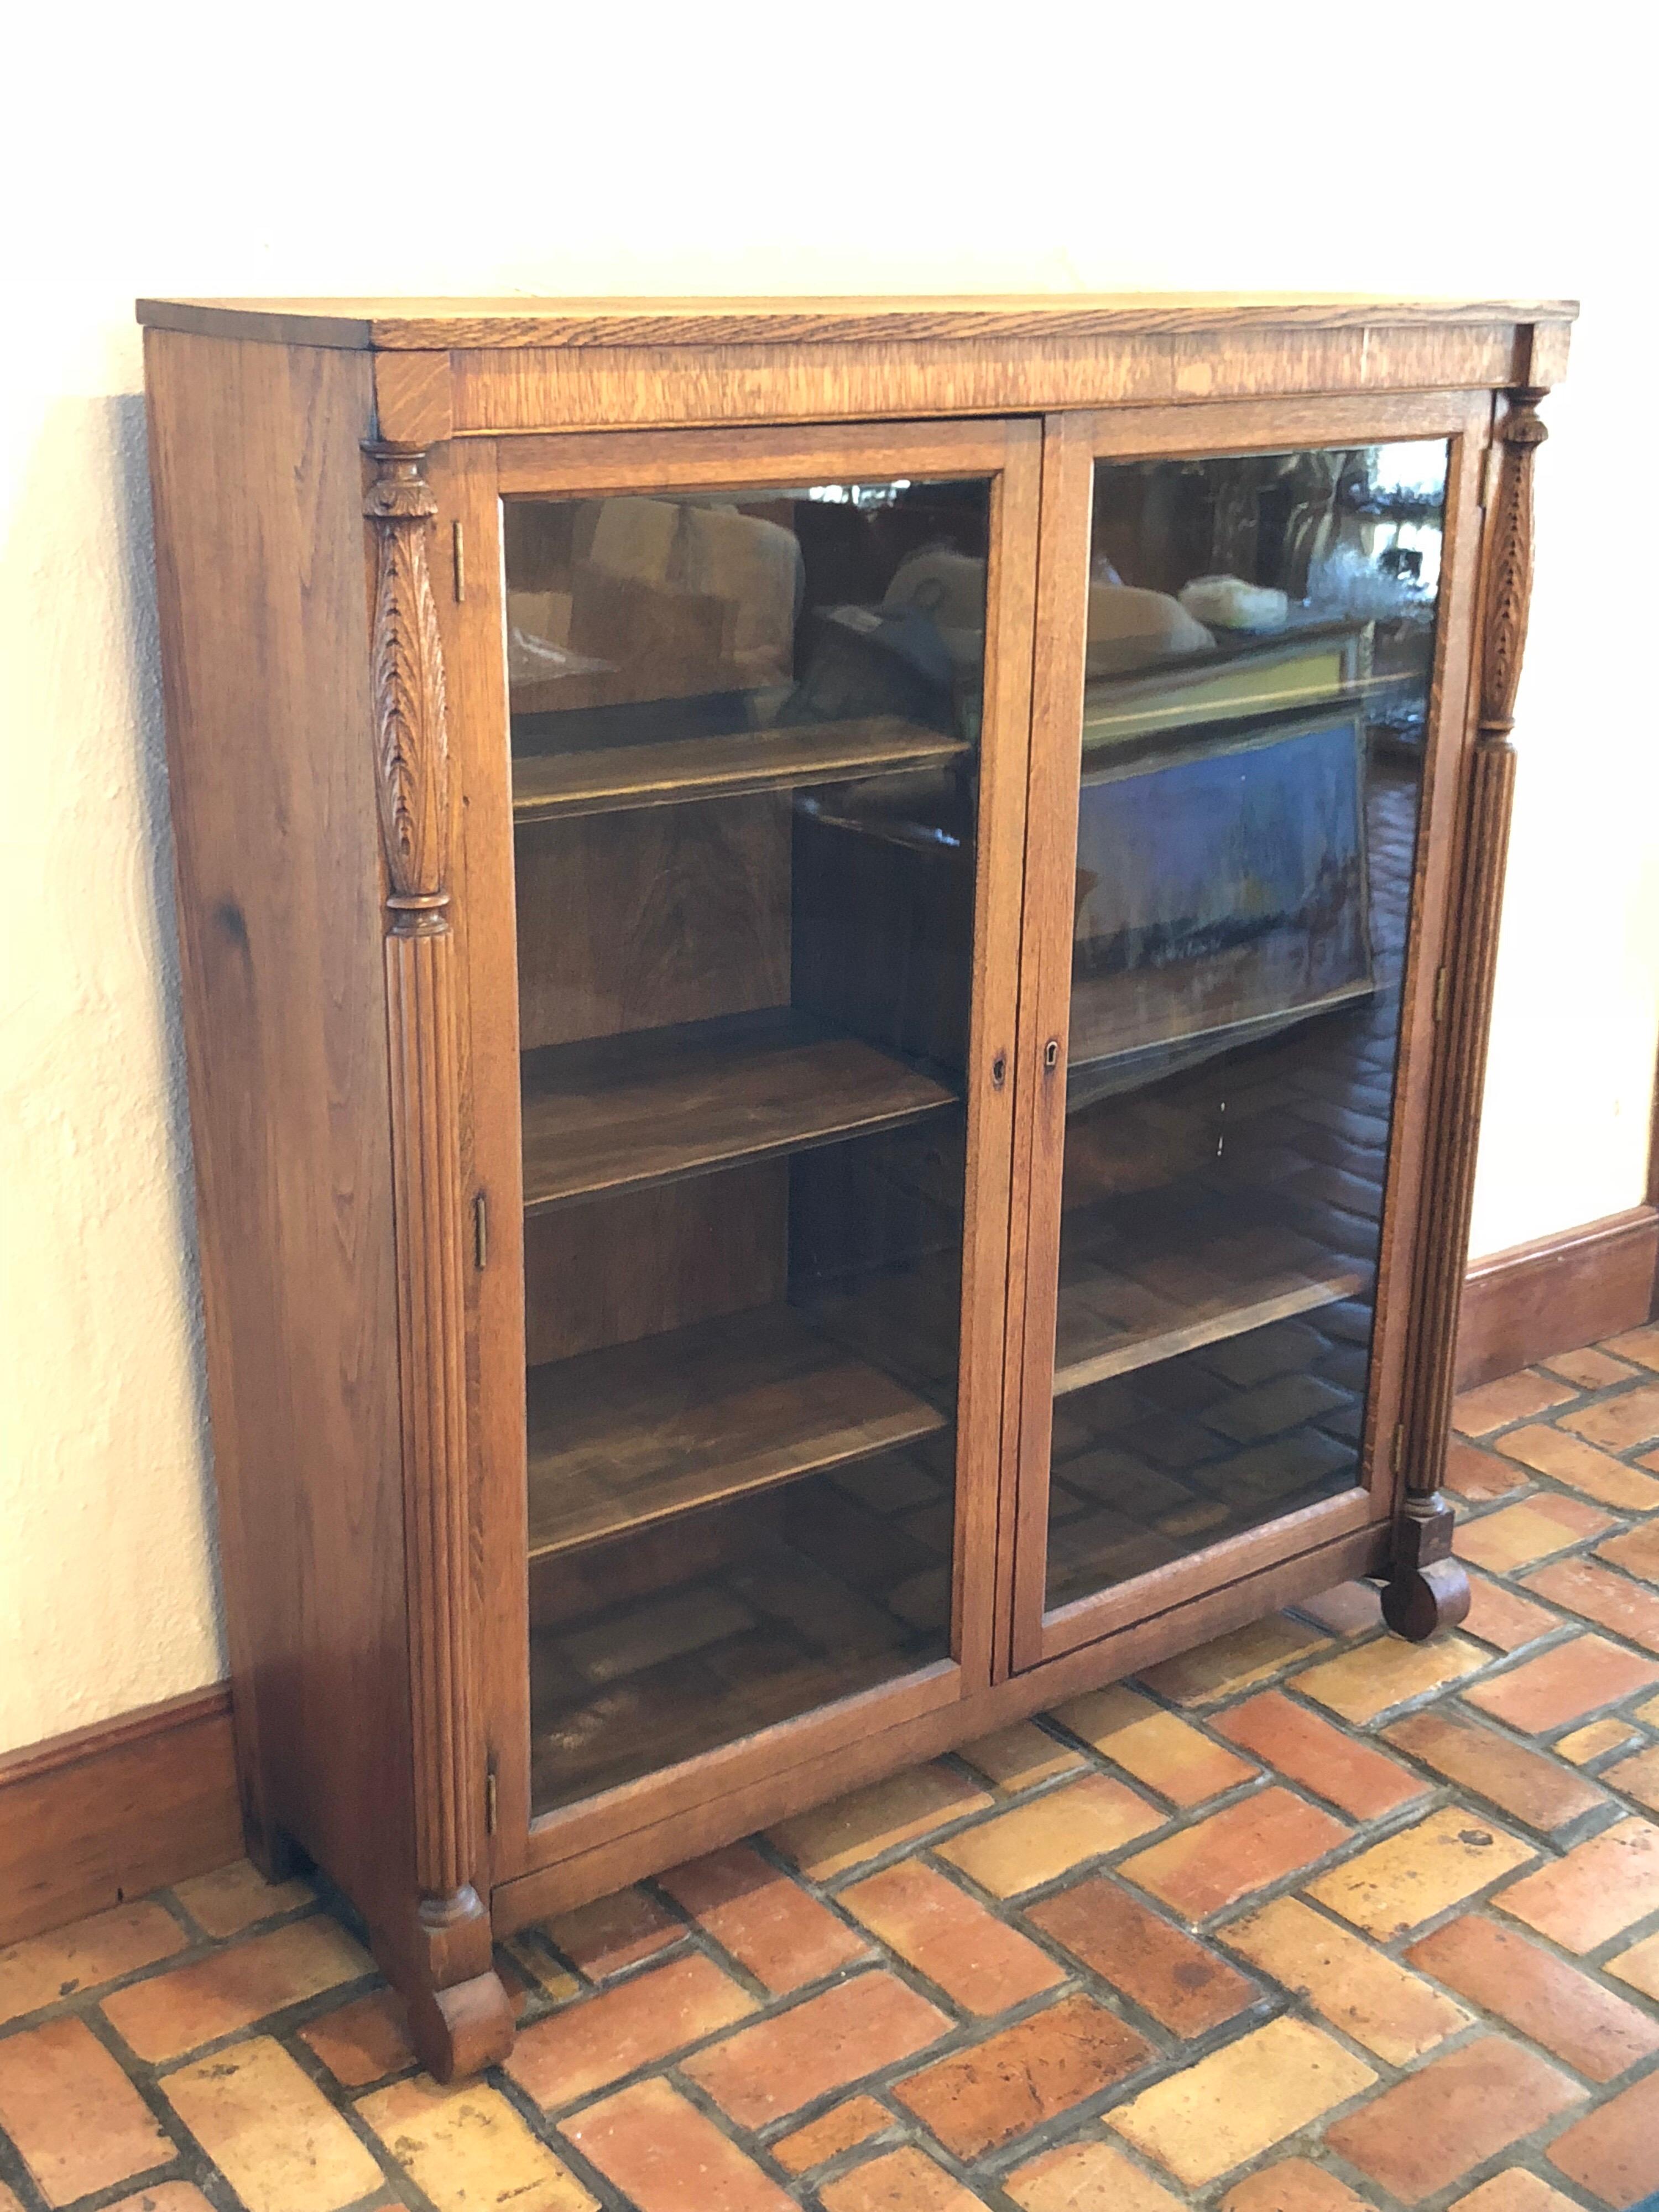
(460, 562)
(1396, 1450)
(1440, 994)
(480, 1232)
(491, 1797)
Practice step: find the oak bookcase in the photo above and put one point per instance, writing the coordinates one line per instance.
(836, 960)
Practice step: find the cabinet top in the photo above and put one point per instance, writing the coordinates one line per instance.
(429, 326)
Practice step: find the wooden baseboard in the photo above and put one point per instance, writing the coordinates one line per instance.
(139, 1802)
(1563, 1290)
(105, 1813)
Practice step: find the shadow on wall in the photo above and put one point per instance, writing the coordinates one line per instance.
(125, 450)
(105, 1488)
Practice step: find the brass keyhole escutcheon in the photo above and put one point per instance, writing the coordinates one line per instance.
(1051, 1053)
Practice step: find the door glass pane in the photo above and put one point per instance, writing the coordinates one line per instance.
(745, 733)
(1261, 639)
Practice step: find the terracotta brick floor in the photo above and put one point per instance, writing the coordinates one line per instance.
(1306, 1921)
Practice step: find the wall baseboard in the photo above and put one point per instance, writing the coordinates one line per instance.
(1561, 1291)
(136, 1803)
(93, 1818)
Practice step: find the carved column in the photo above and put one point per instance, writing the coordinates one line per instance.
(459, 2011)
(1429, 1588)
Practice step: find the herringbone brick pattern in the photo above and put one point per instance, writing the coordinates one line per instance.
(1308, 1920)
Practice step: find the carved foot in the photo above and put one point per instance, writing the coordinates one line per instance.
(441, 1963)
(460, 2031)
(1427, 1590)
(1420, 1601)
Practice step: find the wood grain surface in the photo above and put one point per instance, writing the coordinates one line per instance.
(264, 592)
(497, 391)
(641, 920)
(420, 325)
(718, 1243)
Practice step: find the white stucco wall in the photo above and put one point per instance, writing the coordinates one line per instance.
(728, 148)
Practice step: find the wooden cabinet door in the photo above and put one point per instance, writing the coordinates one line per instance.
(744, 720)
(1250, 703)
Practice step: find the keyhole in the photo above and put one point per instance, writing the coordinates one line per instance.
(1051, 1053)
(998, 1070)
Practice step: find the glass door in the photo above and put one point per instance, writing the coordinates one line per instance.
(1257, 707)
(750, 747)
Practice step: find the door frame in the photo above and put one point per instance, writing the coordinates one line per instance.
(471, 477)
(1073, 442)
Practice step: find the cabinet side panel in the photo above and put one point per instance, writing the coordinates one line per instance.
(258, 482)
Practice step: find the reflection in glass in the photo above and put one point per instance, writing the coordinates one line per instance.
(1261, 637)
(744, 737)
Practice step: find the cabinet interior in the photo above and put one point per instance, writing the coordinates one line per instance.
(744, 771)
(1250, 772)
(745, 753)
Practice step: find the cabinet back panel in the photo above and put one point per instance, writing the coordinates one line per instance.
(649, 1260)
(571, 1585)
(883, 915)
(637, 920)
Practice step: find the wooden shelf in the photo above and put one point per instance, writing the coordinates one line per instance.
(1124, 1305)
(1112, 1020)
(1145, 1475)
(765, 1608)
(557, 785)
(1308, 665)
(633, 1434)
(677, 1712)
(621, 1113)
(1289, 1220)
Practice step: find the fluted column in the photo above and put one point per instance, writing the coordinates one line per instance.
(1429, 1588)
(460, 2003)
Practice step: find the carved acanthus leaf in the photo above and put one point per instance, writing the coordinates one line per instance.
(410, 707)
(1510, 589)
